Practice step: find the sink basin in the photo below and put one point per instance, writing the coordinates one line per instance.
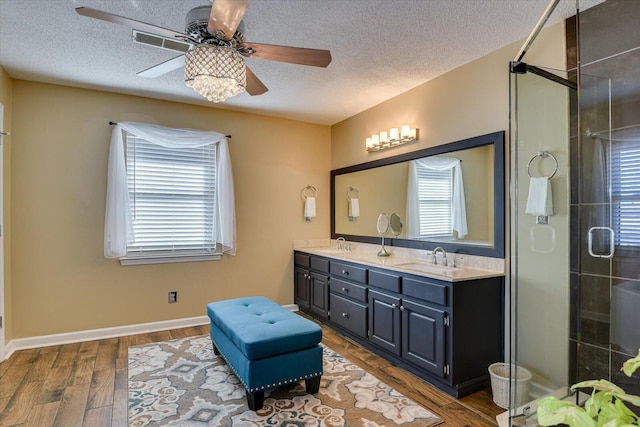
(429, 268)
(330, 251)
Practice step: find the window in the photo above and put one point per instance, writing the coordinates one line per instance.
(169, 195)
(435, 199)
(625, 193)
(435, 202)
(171, 198)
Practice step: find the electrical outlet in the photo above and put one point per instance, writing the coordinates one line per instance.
(173, 297)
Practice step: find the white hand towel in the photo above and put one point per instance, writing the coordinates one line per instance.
(540, 199)
(309, 207)
(354, 208)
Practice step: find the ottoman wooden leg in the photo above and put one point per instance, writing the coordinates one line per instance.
(255, 400)
(215, 350)
(312, 385)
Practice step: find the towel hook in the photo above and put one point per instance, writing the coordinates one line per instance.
(353, 190)
(311, 188)
(542, 154)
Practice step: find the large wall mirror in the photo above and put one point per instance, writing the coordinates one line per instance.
(451, 195)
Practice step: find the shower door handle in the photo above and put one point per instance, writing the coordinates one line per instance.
(612, 242)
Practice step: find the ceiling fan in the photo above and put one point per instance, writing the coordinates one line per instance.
(214, 46)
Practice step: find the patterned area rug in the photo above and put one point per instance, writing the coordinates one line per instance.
(182, 383)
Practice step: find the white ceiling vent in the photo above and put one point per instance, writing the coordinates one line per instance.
(161, 42)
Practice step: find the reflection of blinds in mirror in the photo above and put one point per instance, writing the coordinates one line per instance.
(435, 199)
(625, 192)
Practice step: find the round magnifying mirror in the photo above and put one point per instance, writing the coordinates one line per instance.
(396, 224)
(383, 229)
(383, 224)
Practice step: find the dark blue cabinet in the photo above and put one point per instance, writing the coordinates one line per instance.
(302, 294)
(311, 284)
(423, 336)
(384, 321)
(319, 290)
(447, 333)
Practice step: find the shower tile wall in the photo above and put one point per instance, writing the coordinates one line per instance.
(605, 294)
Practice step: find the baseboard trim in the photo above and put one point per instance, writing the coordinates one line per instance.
(98, 334)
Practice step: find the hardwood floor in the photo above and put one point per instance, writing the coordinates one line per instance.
(85, 384)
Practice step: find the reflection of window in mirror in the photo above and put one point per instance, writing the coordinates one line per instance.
(435, 192)
(435, 199)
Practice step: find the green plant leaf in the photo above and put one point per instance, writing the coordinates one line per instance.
(625, 415)
(614, 415)
(634, 400)
(552, 411)
(600, 385)
(631, 365)
(597, 401)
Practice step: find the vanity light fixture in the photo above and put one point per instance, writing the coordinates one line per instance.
(390, 139)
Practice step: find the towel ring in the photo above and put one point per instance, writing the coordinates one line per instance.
(542, 154)
(310, 188)
(353, 190)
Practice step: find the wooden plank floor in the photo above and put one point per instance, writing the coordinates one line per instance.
(85, 384)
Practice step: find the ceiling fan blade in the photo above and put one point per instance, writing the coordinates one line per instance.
(163, 68)
(254, 85)
(226, 16)
(292, 55)
(131, 23)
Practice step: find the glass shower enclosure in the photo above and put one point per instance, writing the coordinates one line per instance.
(575, 273)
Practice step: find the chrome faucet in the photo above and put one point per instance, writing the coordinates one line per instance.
(341, 242)
(434, 260)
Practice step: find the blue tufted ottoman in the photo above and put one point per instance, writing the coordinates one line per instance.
(266, 345)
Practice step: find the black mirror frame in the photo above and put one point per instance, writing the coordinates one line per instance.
(496, 251)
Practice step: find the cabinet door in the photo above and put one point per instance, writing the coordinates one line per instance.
(423, 336)
(301, 294)
(319, 294)
(384, 321)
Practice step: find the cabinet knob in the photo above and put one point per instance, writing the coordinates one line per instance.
(345, 272)
(393, 306)
(345, 290)
(401, 308)
(306, 275)
(345, 315)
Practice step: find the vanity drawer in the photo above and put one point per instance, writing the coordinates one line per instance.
(424, 290)
(350, 272)
(390, 282)
(347, 289)
(301, 260)
(320, 264)
(349, 314)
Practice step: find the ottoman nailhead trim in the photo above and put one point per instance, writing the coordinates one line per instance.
(267, 386)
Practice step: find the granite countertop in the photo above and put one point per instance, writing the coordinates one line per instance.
(407, 262)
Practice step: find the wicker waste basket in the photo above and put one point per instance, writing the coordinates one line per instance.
(499, 373)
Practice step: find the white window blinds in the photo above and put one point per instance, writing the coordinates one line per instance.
(625, 192)
(172, 194)
(435, 199)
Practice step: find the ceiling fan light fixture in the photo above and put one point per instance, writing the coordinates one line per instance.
(215, 72)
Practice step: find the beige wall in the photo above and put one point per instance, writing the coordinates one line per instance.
(62, 282)
(6, 98)
(474, 100)
(468, 101)
(59, 280)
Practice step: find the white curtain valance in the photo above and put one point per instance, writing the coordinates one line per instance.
(459, 211)
(118, 214)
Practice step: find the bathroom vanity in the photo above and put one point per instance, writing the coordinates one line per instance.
(444, 324)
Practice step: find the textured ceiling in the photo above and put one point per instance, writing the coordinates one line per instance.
(380, 48)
